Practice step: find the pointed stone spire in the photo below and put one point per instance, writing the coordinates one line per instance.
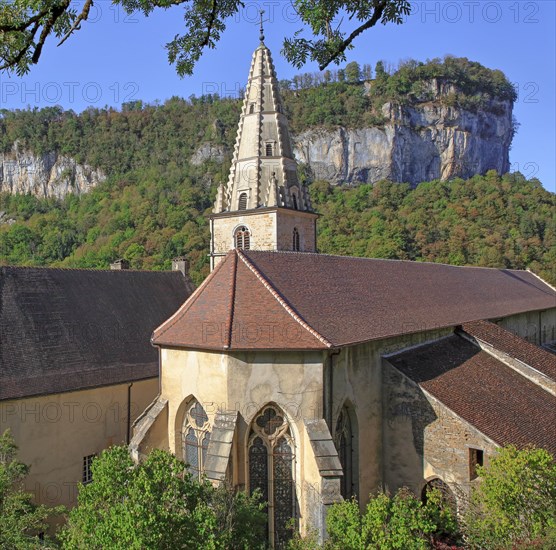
(263, 171)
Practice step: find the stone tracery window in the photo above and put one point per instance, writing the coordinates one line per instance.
(242, 238)
(271, 470)
(196, 437)
(343, 439)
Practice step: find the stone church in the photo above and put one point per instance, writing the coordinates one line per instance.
(315, 378)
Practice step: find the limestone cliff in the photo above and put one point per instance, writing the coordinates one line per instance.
(417, 143)
(46, 175)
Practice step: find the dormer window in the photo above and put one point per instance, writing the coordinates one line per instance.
(295, 246)
(242, 203)
(269, 149)
(242, 238)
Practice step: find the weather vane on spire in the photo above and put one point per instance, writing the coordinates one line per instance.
(261, 13)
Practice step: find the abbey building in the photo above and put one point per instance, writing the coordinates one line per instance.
(309, 377)
(314, 378)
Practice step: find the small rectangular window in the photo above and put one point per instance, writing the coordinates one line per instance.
(87, 471)
(476, 458)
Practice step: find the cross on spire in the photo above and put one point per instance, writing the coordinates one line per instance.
(261, 13)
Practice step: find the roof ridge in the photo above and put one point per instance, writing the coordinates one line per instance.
(231, 308)
(182, 310)
(278, 297)
(393, 260)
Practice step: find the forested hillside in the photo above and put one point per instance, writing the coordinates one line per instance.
(154, 203)
(488, 221)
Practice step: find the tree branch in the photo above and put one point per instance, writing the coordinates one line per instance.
(210, 24)
(77, 23)
(377, 14)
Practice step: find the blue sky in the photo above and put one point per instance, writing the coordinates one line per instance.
(116, 58)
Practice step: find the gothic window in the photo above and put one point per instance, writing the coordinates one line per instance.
(242, 202)
(294, 200)
(343, 438)
(242, 238)
(295, 240)
(269, 149)
(251, 108)
(271, 467)
(196, 437)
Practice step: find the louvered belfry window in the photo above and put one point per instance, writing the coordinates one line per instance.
(269, 149)
(196, 437)
(242, 203)
(243, 238)
(295, 243)
(271, 471)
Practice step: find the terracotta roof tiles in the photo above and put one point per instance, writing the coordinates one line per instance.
(497, 400)
(510, 344)
(333, 301)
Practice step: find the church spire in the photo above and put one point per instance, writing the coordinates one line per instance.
(263, 171)
(263, 206)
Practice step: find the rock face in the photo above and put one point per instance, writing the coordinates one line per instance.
(418, 143)
(47, 175)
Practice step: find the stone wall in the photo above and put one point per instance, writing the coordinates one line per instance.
(423, 439)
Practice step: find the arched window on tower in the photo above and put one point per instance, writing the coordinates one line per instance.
(269, 149)
(251, 108)
(295, 246)
(195, 437)
(271, 470)
(294, 201)
(242, 203)
(242, 238)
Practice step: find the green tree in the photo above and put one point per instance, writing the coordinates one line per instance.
(400, 522)
(20, 519)
(156, 504)
(514, 502)
(353, 72)
(26, 25)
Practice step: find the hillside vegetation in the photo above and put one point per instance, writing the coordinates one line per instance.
(154, 203)
(488, 221)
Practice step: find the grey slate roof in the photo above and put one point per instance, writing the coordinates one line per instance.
(69, 329)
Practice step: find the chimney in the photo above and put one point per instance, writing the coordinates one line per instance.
(181, 263)
(119, 264)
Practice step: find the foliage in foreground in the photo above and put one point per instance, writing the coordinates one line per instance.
(388, 523)
(514, 504)
(158, 505)
(20, 519)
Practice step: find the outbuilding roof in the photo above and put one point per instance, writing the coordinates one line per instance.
(512, 345)
(288, 300)
(500, 402)
(68, 329)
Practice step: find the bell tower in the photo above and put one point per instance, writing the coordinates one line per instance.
(263, 206)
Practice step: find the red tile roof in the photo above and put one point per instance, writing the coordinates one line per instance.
(509, 343)
(497, 400)
(315, 301)
(236, 308)
(69, 329)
